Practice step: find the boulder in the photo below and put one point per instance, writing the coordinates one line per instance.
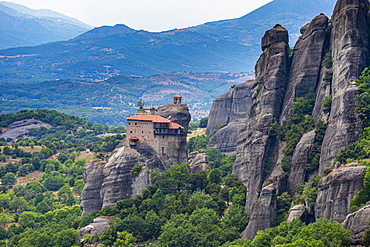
(336, 190)
(357, 223)
(198, 161)
(118, 182)
(98, 226)
(297, 212)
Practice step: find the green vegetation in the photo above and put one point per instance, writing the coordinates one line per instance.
(307, 192)
(295, 233)
(363, 196)
(326, 103)
(292, 132)
(180, 209)
(203, 122)
(359, 149)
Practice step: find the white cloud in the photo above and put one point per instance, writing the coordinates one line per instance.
(152, 15)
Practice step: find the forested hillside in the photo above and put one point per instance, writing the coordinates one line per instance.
(111, 101)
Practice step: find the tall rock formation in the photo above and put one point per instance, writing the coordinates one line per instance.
(234, 104)
(270, 84)
(306, 65)
(349, 45)
(327, 61)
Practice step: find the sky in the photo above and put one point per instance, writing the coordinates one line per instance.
(150, 15)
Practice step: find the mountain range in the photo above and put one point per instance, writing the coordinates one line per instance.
(22, 26)
(229, 46)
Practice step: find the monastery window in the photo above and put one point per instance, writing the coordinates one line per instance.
(131, 131)
(135, 123)
(142, 132)
(162, 150)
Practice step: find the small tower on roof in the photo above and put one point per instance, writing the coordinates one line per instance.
(177, 99)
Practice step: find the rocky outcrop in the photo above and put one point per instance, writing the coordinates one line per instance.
(19, 128)
(336, 190)
(349, 44)
(98, 226)
(108, 183)
(90, 196)
(269, 86)
(178, 113)
(263, 217)
(230, 106)
(357, 223)
(198, 161)
(306, 64)
(226, 138)
(297, 212)
(299, 161)
(117, 184)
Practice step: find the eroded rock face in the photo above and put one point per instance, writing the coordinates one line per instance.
(357, 223)
(179, 113)
(198, 161)
(306, 65)
(98, 226)
(232, 105)
(297, 212)
(349, 44)
(226, 138)
(118, 182)
(270, 83)
(299, 161)
(263, 217)
(90, 196)
(336, 190)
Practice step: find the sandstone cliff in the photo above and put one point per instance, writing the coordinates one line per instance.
(349, 45)
(306, 65)
(336, 190)
(269, 86)
(327, 60)
(226, 138)
(232, 105)
(357, 223)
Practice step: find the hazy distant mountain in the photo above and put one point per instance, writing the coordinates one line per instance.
(22, 26)
(249, 29)
(223, 46)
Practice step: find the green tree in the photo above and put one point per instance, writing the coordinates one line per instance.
(9, 179)
(125, 239)
(203, 122)
(66, 238)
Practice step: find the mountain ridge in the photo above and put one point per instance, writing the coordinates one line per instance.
(209, 47)
(29, 27)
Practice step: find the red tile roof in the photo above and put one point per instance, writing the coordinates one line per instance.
(175, 126)
(134, 138)
(151, 118)
(155, 119)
